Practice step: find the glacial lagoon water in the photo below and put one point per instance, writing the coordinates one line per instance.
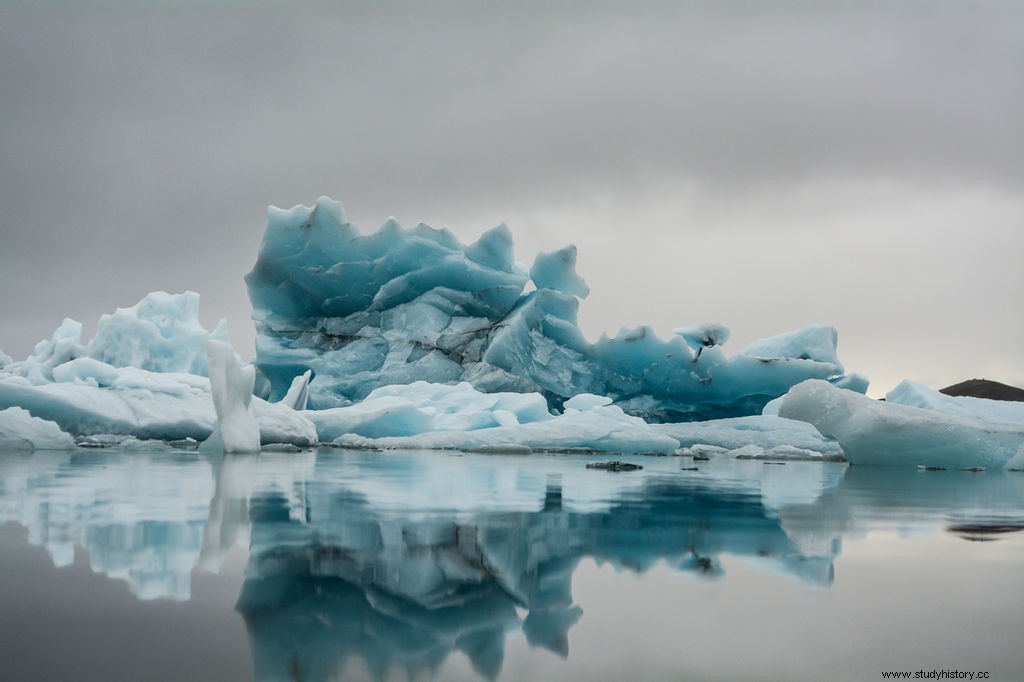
(341, 564)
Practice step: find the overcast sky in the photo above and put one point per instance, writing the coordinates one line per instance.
(763, 165)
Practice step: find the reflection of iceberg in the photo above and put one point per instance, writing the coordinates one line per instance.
(907, 500)
(398, 560)
(140, 517)
(402, 567)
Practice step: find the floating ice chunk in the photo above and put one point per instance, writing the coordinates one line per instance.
(993, 411)
(772, 434)
(557, 270)
(298, 392)
(403, 305)
(19, 430)
(231, 387)
(374, 417)
(160, 333)
(601, 429)
(5, 359)
(72, 385)
(94, 398)
(421, 407)
(873, 432)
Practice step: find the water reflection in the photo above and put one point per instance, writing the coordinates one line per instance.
(401, 559)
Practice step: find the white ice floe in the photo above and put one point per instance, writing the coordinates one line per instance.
(139, 377)
(883, 433)
(990, 411)
(19, 430)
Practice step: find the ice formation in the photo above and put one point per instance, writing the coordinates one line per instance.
(19, 430)
(961, 434)
(231, 388)
(298, 393)
(402, 305)
(438, 416)
(161, 333)
(992, 411)
(156, 390)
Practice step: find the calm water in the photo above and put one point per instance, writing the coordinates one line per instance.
(360, 565)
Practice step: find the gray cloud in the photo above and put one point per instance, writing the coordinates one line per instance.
(139, 146)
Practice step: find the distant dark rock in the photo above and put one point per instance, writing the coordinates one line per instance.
(984, 388)
(614, 466)
(985, 532)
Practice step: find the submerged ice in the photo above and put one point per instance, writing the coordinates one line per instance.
(403, 305)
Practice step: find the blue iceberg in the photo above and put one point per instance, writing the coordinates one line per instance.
(404, 305)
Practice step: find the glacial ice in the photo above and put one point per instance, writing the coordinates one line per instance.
(438, 416)
(992, 411)
(407, 338)
(161, 333)
(231, 385)
(19, 430)
(89, 398)
(883, 433)
(157, 389)
(298, 393)
(403, 305)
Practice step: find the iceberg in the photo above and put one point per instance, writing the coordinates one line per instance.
(960, 435)
(139, 377)
(403, 305)
(19, 430)
(161, 333)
